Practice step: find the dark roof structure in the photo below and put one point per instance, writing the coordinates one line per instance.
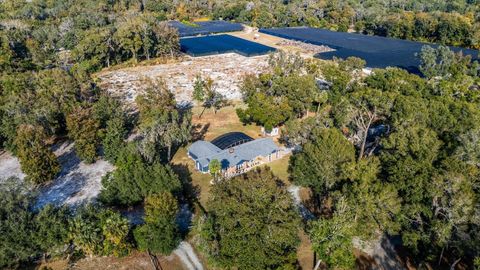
(231, 139)
(379, 52)
(205, 28)
(219, 44)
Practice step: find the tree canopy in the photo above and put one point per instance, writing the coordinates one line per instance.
(261, 231)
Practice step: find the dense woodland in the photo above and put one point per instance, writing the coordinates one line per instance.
(387, 154)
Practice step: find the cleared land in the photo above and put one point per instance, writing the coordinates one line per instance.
(77, 182)
(227, 71)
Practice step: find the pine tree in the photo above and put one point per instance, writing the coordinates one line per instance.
(82, 128)
(37, 160)
(113, 141)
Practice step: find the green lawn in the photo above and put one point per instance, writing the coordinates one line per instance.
(280, 168)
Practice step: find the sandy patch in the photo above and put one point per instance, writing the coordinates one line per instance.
(10, 167)
(227, 71)
(77, 182)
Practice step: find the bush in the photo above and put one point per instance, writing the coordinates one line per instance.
(96, 231)
(113, 141)
(134, 179)
(16, 224)
(51, 229)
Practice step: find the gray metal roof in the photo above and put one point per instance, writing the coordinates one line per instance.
(202, 149)
(233, 156)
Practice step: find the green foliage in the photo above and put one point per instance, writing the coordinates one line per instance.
(113, 140)
(112, 121)
(375, 204)
(320, 163)
(36, 159)
(132, 37)
(198, 89)
(160, 232)
(36, 98)
(96, 231)
(163, 126)
(266, 111)
(258, 233)
(204, 91)
(134, 179)
(416, 152)
(214, 167)
(301, 131)
(83, 129)
(52, 227)
(116, 231)
(273, 98)
(17, 226)
(442, 62)
(332, 239)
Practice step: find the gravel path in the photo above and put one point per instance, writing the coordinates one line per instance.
(304, 212)
(188, 257)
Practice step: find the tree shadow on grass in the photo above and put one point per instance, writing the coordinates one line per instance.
(189, 198)
(190, 193)
(199, 131)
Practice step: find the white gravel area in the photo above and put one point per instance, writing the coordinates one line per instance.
(10, 167)
(77, 182)
(227, 71)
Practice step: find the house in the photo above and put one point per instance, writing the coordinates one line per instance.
(236, 152)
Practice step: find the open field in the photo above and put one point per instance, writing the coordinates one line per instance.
(227, 71)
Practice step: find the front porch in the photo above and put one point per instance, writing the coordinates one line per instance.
(248, 165)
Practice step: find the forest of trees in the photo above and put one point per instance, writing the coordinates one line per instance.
(390, 154)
